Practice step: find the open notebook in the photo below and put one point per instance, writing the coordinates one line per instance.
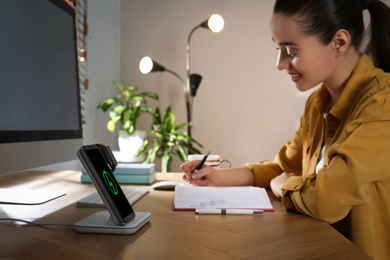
(248, 197)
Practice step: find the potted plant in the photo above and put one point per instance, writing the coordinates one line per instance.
(168, 141)
(127, 107)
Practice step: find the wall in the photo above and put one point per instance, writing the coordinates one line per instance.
(103, 58)
(245, 108)
(103, 41)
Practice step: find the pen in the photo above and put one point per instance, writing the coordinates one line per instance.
(228, 211)
(200, 165)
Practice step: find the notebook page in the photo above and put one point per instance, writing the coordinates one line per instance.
(191, 197)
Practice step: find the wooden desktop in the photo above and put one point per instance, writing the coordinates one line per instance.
(169, 234)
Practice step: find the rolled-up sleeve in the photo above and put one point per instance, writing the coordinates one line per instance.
(358, 159)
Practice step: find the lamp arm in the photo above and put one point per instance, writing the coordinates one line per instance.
(187, 82)
(177, 76)
(187, 100)
(188, 56)
(186, 93)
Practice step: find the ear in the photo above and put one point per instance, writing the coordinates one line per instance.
(341, 41)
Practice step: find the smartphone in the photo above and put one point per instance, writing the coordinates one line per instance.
(100, 163)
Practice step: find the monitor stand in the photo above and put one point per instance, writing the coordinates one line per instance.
(100, 222)
(28, 197)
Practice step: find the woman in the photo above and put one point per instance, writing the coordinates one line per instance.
(337, 167)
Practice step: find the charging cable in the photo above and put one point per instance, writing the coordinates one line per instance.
(38, 224)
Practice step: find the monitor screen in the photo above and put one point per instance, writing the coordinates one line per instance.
(40, 113)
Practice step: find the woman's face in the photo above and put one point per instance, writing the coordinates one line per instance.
(304, 57)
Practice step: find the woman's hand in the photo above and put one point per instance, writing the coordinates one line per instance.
(203, 177)
(278, 182)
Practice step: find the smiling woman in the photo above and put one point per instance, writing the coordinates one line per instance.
(296, 51)
(336, 168)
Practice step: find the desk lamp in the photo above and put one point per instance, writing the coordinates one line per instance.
(215, 23)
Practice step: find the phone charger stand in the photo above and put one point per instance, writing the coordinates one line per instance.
(100, 222)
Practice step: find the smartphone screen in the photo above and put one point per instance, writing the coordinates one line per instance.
(109, 182)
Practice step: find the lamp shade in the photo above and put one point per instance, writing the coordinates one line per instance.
(195, 80)
(147, 65)
(215, 23)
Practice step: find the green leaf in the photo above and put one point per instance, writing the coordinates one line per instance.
(151, 95)
(125, 119)
(131, 129)
(152, 152)
(183, 136)
(182, 153)
(126, 92)
(150, 157)
(145, 109)
(168, 120)
(119, 85)
(192, 140)
(157, 116)
(180, 126)
(143, 147)
(138, 100)
(132, 89)
(191, 149)
(117, 111)
(159, 134)
(166, 162)
(106, 104)
(111, 123)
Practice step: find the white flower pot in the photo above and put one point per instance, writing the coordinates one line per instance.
(130, 144)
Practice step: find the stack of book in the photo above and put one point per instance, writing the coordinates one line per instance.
(129, 173)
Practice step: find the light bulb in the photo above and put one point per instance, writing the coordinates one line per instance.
(146, 65)
(215, 23)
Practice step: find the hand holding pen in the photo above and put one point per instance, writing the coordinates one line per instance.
(200, 165)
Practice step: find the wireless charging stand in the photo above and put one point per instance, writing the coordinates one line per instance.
(101, 222)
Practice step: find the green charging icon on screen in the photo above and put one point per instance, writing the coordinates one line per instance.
(110, 182)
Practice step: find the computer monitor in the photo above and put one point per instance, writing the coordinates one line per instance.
(40, 118)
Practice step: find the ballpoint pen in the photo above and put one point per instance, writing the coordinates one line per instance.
(200, 165)
(228, 211)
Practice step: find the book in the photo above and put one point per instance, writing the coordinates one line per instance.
(194, 197)
(127, 178)
(132, 168)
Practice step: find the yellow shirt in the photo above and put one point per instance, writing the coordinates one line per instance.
(352, 191)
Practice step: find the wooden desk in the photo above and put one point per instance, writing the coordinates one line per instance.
(169, 234)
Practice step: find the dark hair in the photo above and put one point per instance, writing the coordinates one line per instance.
(325, 17)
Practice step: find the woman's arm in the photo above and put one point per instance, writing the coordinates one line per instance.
(216, 177)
